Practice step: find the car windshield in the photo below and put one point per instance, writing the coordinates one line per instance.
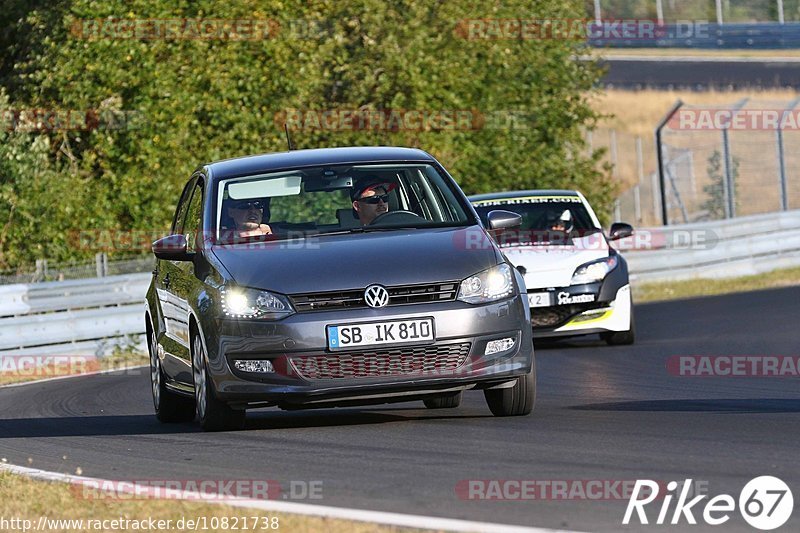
(542, 216)
(336, 199)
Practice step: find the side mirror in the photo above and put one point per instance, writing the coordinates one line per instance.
(172, 248)
(619, 230)
(500, 219)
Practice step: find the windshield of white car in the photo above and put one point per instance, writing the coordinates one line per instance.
(337, 199)
(544, 218)
(541, 213)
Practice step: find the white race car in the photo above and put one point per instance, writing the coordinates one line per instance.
(577, 283)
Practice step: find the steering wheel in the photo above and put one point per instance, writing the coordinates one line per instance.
(396, 217)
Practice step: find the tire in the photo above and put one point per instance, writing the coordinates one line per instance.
(213, 414)
(447, 400)
(621, 338)
(170, 406)
(518, 400)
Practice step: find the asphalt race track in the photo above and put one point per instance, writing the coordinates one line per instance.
(603, 413)
(700, 73)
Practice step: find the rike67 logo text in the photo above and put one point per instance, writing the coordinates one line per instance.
(765, 503)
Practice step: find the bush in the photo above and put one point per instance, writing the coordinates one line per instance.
(194, 101)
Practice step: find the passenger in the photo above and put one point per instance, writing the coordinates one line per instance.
(371, 198)
(248, 215)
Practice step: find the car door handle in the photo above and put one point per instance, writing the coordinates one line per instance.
(166, 281)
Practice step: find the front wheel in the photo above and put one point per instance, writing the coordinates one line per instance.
(213, 414)
(514, 401)
(170, 406)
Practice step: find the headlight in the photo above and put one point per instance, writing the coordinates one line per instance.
(238, 302)
(487, 286)
(594, 271)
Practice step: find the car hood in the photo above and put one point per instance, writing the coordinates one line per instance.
(353, 261)
(552, 265)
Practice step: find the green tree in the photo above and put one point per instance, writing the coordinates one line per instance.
(202, 100)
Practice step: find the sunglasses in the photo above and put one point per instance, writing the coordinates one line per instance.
(249, 205)
(375, 199)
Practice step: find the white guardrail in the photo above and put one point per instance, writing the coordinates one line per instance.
(719, 249)
(93, 316)
(77, 317)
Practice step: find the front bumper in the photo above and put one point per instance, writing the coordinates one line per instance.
(369, 375)
(584, 318)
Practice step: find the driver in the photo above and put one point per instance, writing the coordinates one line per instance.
(563, 223)
(248, 216)
(371, 198)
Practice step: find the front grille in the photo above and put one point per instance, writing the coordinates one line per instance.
(391, 362)
(550, 317)
(398, 295)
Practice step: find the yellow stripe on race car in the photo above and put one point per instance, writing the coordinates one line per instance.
(589, 318)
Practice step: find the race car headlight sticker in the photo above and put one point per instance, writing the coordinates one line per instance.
(594, 271)
(487, 286)
(238, 302)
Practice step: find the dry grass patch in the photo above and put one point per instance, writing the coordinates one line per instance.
(653, 292)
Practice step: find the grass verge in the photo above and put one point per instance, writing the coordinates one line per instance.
(19, 369)
(26, 499)
(653, 292)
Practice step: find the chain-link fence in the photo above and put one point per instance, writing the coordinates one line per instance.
(734, 160)
(45, 270)
(633, 161)
(719, 162)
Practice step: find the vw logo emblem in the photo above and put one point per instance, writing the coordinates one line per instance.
(376, 296)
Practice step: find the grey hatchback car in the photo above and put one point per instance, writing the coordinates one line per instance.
(333, 277)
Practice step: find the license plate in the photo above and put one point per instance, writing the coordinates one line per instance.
(539, 299)
(376, 333)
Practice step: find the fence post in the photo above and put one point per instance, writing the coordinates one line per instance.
(637, 200)
(659, 12)
(41, 270)
(597, 15)
(719, 12)
(727, 181)
(656, 199)
(780, 12)
(660, 156)
(101, 264)
(614, 160)
(782, 156)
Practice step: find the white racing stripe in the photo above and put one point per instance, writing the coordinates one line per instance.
(342, 513)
